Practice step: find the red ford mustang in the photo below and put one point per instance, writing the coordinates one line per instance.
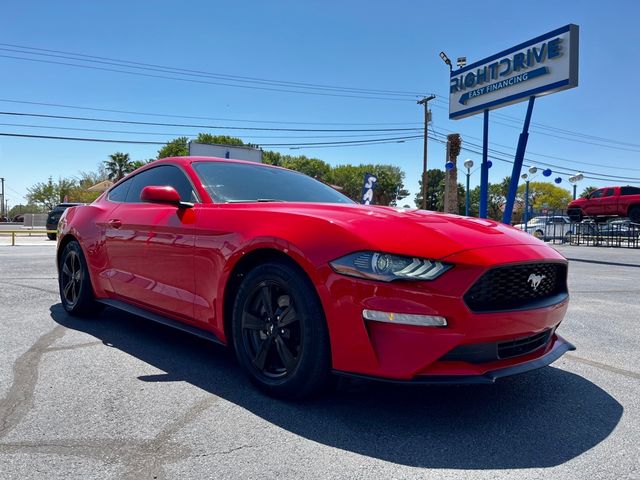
(303, 283)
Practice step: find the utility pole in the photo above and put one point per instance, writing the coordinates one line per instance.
(2, 206)
(424, 102)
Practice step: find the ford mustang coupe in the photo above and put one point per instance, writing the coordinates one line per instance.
(302, 283)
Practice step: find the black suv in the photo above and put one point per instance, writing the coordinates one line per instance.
(54, 217)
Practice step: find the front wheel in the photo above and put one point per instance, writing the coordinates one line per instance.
(539, 234)
(51, 236)
(279, 332)
(634, 214)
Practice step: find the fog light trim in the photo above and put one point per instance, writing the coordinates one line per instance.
(404, 318)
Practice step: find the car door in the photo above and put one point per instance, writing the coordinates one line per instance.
(609, 202)
(594, 205)
(150, 246)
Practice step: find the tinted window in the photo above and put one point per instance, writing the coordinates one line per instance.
(238, 182)
(119, 192)
(163, 175)
(629, 191)
(608, 192)
(597, 194)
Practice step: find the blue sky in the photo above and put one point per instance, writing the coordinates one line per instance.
(357, 44)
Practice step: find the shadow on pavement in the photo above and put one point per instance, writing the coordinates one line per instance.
(540, 419)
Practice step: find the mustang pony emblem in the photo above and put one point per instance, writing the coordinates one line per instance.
(535, 280)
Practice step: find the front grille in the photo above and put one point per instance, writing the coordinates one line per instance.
(523, 346)
(517, 287)
(489, 352)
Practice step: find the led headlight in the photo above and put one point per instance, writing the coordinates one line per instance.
(388, 267)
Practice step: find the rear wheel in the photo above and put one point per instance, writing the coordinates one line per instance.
(76, 293)
(634, 214)
(279, 332)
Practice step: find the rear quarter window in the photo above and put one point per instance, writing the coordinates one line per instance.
(629, 191)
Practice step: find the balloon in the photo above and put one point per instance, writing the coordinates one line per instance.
(489, 164)
(449, 165)
(558, 180)
(547, 172)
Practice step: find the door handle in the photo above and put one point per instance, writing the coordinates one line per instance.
(114, 223)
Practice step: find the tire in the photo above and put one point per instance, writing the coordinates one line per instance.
(76, 292)
(51, 236)
(567, 237)
(539, 234)
(575, 215)
(279, 332)
(634, 214)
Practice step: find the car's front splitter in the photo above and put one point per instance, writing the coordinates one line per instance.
(560, 347)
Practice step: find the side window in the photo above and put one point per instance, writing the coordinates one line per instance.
(629, 191)
(119, 193)
(608, 192)
(161, 176)
(596, 194)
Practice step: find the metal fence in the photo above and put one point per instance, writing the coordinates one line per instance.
(554, 226)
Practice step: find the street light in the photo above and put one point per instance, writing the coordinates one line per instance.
(468, 164)
(527, 177)
(574, 179)
(446, 60)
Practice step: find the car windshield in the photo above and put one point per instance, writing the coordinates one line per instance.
(229, 182)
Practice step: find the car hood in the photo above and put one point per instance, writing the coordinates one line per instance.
(409, 231)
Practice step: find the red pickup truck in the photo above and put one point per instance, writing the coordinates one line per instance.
(607, 202)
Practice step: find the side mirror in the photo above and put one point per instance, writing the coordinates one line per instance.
(166, 194)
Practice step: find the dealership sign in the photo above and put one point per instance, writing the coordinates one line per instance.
(546, 64)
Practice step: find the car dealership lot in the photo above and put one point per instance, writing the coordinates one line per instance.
(119, 397)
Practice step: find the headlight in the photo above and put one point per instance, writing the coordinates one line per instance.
(387, 267)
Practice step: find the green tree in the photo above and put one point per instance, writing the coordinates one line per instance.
(313, 167)
(435, 189)
(28, 208)
(218, 139)
(48, 194)
(546, 195)
(118, 165)
(587, 191)
(178, 147)
(389, 188)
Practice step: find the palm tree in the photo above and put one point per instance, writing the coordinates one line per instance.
(118, 165)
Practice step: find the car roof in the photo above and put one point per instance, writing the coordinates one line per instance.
(188, 160)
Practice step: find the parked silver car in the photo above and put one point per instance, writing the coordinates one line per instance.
(548, 228)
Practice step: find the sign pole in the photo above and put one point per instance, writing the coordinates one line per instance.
(517, 164)
(484, 168)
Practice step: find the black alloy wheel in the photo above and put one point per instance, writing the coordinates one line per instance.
(279, 332)
(271, 331)
(76, 293)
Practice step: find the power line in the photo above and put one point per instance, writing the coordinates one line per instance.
(219, 127)
(192, 80)
(185, 134)
(120, 62)
(167, 115)
(536, 127)
(144, 142)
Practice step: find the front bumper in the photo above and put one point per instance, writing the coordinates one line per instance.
(413, 353)
(558, 348)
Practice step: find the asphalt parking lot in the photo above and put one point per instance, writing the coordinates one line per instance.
(119, 397)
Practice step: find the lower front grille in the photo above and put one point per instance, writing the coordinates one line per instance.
(523, 346)
(489, 352)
